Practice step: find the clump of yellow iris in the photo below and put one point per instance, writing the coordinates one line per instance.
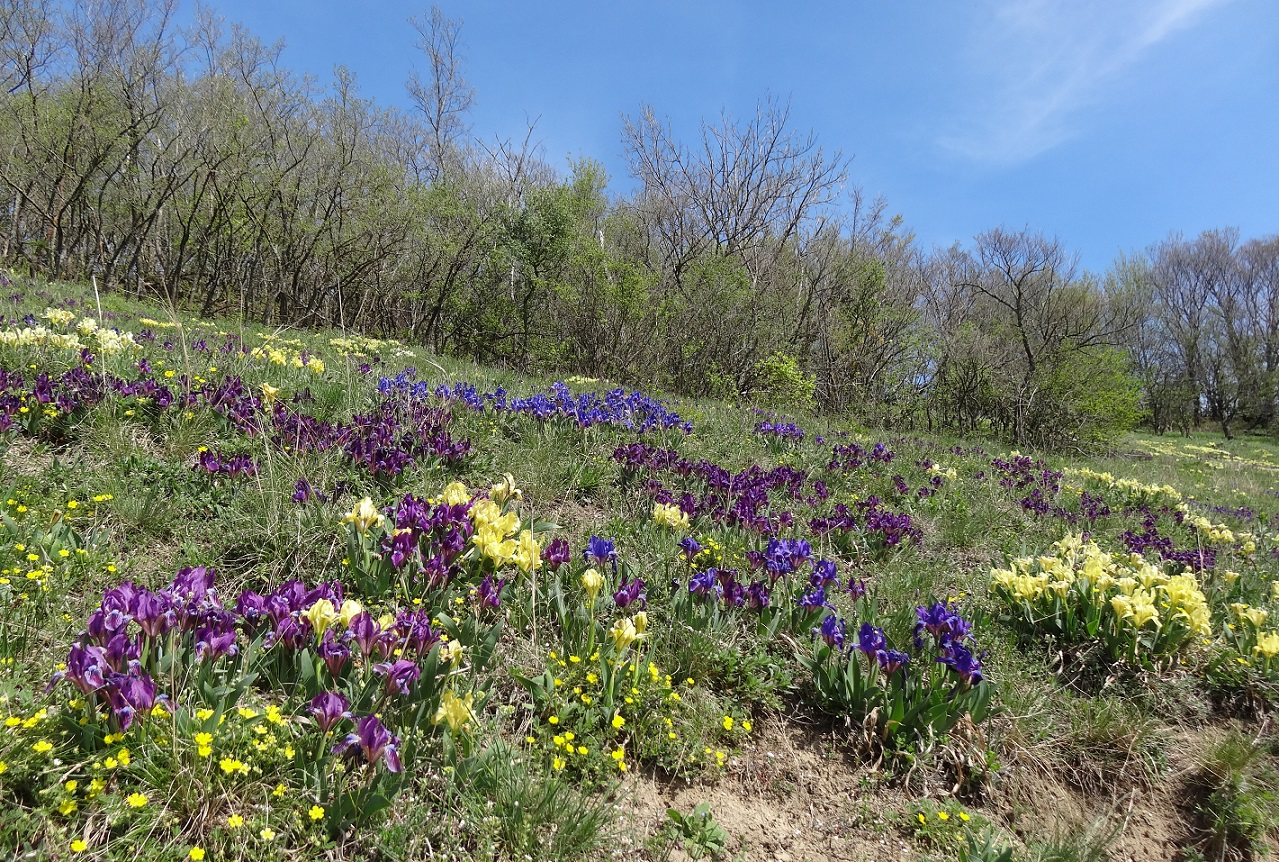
(1127, 593)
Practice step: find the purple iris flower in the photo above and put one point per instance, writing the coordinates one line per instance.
(870, 639)
(960, 659)
(372, 740)
(363, 631)
(757, 595)
(87, 668)
(556, 554)
(400, 675)
(400, 546)
(129, 695)
(302, 491)
(251, 607)
(630, 593)
(856, 588)
(831, 631)
(192, 584)
(890, 660)
(734, 594)
(799, 551)
(328, 708)
(414, 627)
(152, 614)
(215, 641)
(333, 653)
(290, 633)
(941, 621)
(689, 547)
(489, 593)
(703, 583)
(824, 574)
(813, 600)
(600, 551)
(122, 652)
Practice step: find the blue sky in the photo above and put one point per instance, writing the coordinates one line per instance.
(1108, 123)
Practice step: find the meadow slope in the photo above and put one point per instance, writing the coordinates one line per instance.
(296, 595)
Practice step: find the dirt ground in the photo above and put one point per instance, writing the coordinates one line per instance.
(792, 796)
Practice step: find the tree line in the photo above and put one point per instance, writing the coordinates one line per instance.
(188, 163)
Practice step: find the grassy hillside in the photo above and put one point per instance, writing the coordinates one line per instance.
(293, 595)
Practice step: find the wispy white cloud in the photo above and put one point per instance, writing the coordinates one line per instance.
(1033, 66)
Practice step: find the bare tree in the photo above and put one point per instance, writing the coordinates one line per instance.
(440, 93)
(1027, 291)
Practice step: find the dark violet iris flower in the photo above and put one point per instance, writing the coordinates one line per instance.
(328, 708)
(127, 695)
(215, 641)
(960, 659)
(942, 622)
(630, 593)
(824, 574)
(813, 600)
(87, 668)
(832, 631)
(400, 675)
(372, 740)
(363, 631)
(489, 593)
(870, 639)
(703, 583)
(890, 660)
(556, 554)
(333, 653)
(152, 614)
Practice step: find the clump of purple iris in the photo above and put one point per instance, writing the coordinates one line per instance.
(704, 584)
(891, 660)
(813, 600)
(961, 660)
(870, 639)
(824, 574)
(942, 622)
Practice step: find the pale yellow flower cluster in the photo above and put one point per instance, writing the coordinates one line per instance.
(670, 516)
(498, 534)
(323, 614)
(1134, 492)
(106, 341)
(364, 515)
(1216, 534)
(456, 712)
(1137, 591)
(1267, 645)
(361, 346)
(627, 631)
(278, 356)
